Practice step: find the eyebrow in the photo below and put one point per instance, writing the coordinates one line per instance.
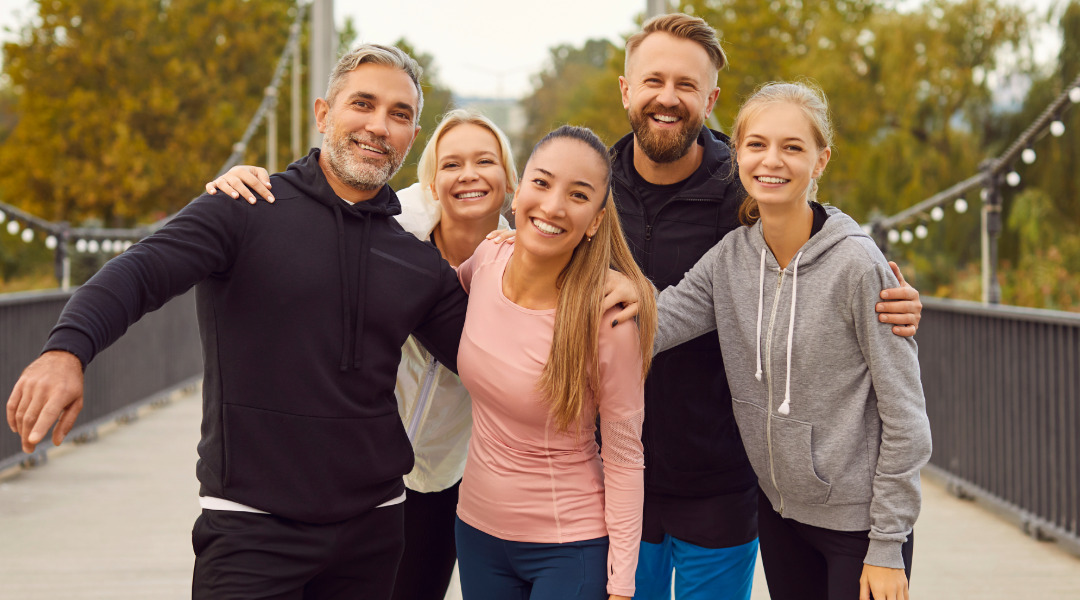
(579, 182)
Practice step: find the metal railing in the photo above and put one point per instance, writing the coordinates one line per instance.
(1002, 390)
(158, 354)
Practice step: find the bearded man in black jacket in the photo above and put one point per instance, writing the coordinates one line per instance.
(303, 308)
(677, 195)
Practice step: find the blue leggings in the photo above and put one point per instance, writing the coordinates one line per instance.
(495, 569)
(700, 573)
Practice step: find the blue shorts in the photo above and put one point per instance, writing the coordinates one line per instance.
(495, 569)
(700, 573)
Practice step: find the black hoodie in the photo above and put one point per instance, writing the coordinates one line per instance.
(692, 444)
(303, 307)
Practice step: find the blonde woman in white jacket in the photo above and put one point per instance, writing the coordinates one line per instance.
(466, 178)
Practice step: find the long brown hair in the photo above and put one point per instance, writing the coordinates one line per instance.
(572, 371)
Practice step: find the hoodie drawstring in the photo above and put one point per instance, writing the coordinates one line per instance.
(361, 294)
(760, 307)
(785, 408)
(344, 363)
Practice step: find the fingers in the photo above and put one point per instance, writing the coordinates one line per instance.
(896, 271)
(626, 314)
(13, 406)
(66, 422)
(502, 235)
(864, 586)
(51, 386)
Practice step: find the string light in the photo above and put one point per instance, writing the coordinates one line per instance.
(937, 213)
(894, 236)
(960, 205)
(906, 236)
(921, 232)
(27, 235)
(1057, 128)
(3, 217)
(92, 246)
(80, 245)
(13, 227)
(1074, 95)
(106, 246)
(50, 242)
(1013, 179)
(1028, 156)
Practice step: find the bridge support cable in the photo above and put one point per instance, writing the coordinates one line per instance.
(992, 173)
(108, 240)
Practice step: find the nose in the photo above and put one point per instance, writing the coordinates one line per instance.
(377, 125)
(667, 96)
(772, 157)
(553, 204)
(468, 172)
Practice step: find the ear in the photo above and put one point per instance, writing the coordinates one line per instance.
(414, 134)
(713, 95)
(822, 160)
(624, 90)
(434, 194)
(321, 110)
(595, 225)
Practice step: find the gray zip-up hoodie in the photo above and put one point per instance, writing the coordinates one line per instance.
(828, 400)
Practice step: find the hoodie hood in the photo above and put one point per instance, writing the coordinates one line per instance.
(704, 183)
(837, 228)
(307, 176)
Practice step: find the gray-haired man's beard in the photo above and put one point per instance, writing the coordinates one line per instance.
(360, 173)
(665, 147)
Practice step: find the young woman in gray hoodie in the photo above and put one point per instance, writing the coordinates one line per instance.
(828, 401)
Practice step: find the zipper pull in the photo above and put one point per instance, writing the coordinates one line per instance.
(648, 232)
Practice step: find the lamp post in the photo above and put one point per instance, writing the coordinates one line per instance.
(323, 56)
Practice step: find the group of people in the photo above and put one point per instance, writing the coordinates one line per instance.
(566, 461)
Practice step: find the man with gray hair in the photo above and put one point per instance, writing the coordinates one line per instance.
(303, 308)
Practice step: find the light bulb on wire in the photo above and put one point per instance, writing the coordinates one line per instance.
(960, 205)
(937, 213)
(1028, 156)
(1057, 128)
(1013, 179)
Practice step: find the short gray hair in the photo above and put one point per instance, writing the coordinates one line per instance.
(379, 55)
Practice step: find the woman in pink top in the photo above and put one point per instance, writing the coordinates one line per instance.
(542, 514)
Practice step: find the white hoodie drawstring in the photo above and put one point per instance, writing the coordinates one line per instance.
(760, 305)
(785, 408)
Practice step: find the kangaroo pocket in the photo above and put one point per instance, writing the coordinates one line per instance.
(313, 469)
(792, 453)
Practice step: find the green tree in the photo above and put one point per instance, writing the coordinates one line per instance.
(126, 106)
(579, 87)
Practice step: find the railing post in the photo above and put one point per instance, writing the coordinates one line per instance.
(322, 56)
(880, 235)
(62, 261)
(295, 92)
(271, 131)
(991, 230)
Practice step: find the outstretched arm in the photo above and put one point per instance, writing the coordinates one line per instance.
(243, 180)
(901, 306)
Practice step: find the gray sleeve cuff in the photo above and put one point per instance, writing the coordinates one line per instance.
(884, 553)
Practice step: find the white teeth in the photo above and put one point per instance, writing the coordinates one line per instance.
(470, 195)
(547, 227)
(665, 118)
(372, 148)
(772, 180)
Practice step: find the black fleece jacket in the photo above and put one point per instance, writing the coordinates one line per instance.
(692, 443)
(303, 307)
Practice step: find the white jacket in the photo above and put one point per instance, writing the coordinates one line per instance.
(433, 404)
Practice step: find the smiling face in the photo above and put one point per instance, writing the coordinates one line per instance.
(368, 126)
(470, 179)
(559, 200)
(778, 155)
(668, 90)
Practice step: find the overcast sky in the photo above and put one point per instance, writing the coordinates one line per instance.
(491, 47)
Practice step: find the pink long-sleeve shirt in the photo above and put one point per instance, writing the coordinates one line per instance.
(525, 480)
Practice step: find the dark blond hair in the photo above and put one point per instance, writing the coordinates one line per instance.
(814, 105)
(685, 27)
(572, 371)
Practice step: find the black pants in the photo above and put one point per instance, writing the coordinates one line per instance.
(428, 562)
(803, 562)
(248, 556)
